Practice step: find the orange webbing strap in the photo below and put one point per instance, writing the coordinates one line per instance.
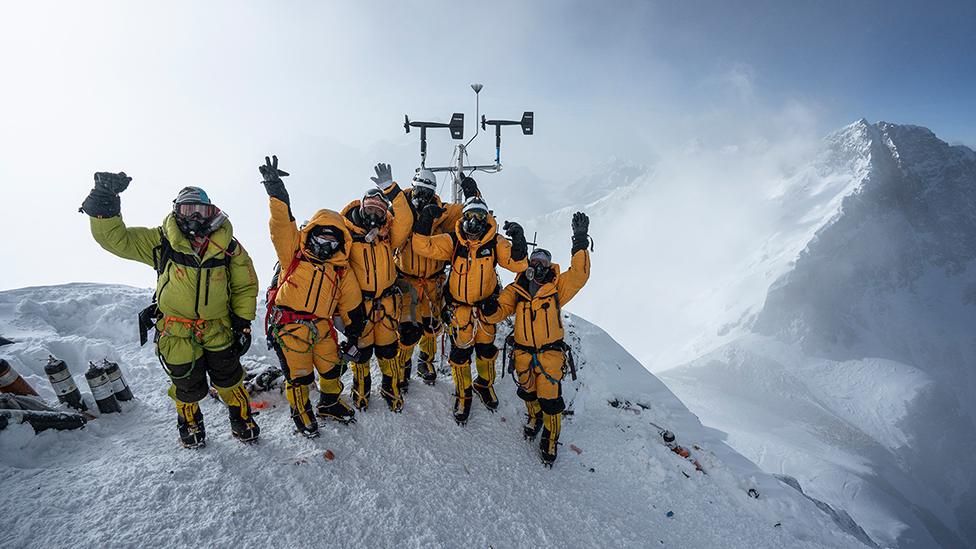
(197, 326)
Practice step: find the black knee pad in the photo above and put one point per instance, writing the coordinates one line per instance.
(429, 324)
(188, 390)
(552, 406)
(486, 350)
(461, 356)
(410, 333)
(224, 367)
(388, 351)
(334, 373)
(365, 353)
(303, 380)
(525, 395)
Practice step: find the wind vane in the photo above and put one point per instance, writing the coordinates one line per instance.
(456, 127)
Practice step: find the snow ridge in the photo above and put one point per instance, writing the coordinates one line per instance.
(413, 479)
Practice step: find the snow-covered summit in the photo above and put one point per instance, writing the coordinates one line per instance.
(863, 349)
(414, 479)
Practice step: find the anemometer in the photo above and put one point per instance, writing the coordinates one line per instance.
(456, 127)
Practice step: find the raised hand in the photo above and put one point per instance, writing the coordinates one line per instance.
(103, 200)
(513, 229)
(520, 248)
(271, 176)
(581, 223)
(384, 176)
(469, 187)
(270, 172)
(581, 228)
(112, 182)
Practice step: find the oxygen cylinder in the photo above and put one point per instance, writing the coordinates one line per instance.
(60, 378)
(11, 382)
(101, 389)
(119, 386)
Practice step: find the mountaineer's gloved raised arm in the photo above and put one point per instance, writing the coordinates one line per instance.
(520, 248)
(284, 231)
(103, 200)
(469, 187)
(384, 176)
(581, 228)
(104, 210)
(271, 178)
(573, 279)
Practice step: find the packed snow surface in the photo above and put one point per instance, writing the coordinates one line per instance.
(414, 479)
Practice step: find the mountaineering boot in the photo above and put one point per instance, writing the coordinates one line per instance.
(550, 438)
(533, 423)
(425, 359)
(484, 383)
(390, 386)
(361, 382)
(301, 409)
(242, 424)
(462, 406)
(332, 407)
(189, 422)
(462, 392)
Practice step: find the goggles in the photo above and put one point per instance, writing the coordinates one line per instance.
(199, 211)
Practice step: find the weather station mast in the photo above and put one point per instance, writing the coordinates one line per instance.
(458, 167)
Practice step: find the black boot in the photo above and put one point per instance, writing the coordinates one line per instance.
(334, 408)
(244, 429)
(301, 409)
(425, 368)
(242, 424)
(189, 422)
(462, 407)
(486, 393)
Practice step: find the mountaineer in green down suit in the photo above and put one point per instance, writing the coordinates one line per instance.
(206, 293)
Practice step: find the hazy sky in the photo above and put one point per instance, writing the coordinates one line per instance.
(181, 93)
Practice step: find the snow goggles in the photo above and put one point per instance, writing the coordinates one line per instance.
(476, 214)
(540, 262)
(199, 211)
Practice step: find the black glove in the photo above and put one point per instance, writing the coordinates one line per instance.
(469, 187)
(520, 248)
(242, 333)
(349, 352)
(272, 179)
(424, 223)
(581, 227)
(489, 305)
(356, 324)
(103, 200)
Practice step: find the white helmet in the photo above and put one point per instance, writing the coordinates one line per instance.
(425, 178)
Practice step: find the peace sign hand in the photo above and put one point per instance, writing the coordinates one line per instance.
(270, 171)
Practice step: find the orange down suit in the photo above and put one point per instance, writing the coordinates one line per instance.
(539, 330)
(472, 279)
(311, 288)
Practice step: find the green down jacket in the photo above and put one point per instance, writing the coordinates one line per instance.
(188, 288)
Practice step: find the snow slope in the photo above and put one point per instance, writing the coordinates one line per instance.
(414, 479)
(856, 373)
